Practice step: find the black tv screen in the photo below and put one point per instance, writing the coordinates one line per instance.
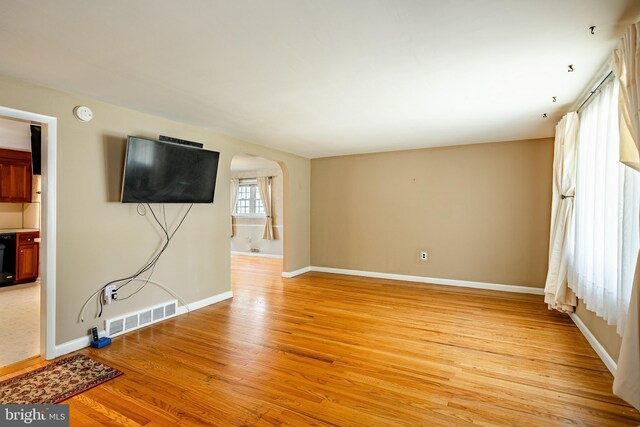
(165, 172)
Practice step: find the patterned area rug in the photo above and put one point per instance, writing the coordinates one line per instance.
(56, 382)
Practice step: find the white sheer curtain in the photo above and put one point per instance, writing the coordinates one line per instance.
(627, 69)
(561, 243)
(606, 202)
(264, 185)
(594, 273)
(235, 184)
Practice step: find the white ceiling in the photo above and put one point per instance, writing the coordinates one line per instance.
(323, 77)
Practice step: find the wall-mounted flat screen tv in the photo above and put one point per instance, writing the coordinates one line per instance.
(166, 172)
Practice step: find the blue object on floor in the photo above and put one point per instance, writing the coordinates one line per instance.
(102, 342)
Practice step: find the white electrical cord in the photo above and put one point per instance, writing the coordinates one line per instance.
(84, 306)
(140, 279)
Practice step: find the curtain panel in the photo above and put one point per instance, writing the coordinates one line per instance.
(235, 185)
(594, 272)
(264, 185)
(606, 213)
(626, 67)
(557, 293)
(626, 58)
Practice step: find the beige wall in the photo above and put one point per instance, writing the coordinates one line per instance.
(604, 333)
(482, 212)
(10, 215)
(100, 239)
(19, 215)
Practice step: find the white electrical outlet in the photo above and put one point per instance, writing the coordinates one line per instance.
(110, 294)
(423, 256)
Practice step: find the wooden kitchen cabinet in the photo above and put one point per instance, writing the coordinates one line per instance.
(27, 256)
(15, 176)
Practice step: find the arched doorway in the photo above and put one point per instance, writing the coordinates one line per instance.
(257, 200)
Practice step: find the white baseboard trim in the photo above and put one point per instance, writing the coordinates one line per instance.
(258, 254)
(595, 344)
(205, 302)
(74, 345)
(433, 280)
(290, 274)
(256, 225)
(82, 342)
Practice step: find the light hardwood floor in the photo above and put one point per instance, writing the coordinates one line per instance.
(324, 349)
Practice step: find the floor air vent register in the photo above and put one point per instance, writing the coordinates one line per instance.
(131, 321)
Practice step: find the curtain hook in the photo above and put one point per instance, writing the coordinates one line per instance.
(554, 98)
(570, 70)
(593, 29)
(544, 116)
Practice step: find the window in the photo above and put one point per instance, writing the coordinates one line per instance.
(249, 202)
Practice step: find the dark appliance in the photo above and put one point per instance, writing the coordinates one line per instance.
(7, 258)
(36, 149)
(165, 138)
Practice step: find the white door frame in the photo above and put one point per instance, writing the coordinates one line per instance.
(48, 228)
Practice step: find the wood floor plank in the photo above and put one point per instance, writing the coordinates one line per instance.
(21, 367)
(326, 350)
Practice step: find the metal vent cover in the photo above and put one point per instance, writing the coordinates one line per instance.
(158, 313)
(170, 309)
(147, 316)
(116, 327)
(131, 322)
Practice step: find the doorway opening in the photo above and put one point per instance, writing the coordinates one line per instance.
(27, 236)
(258, 188)
(19, 240)
(257, 207)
